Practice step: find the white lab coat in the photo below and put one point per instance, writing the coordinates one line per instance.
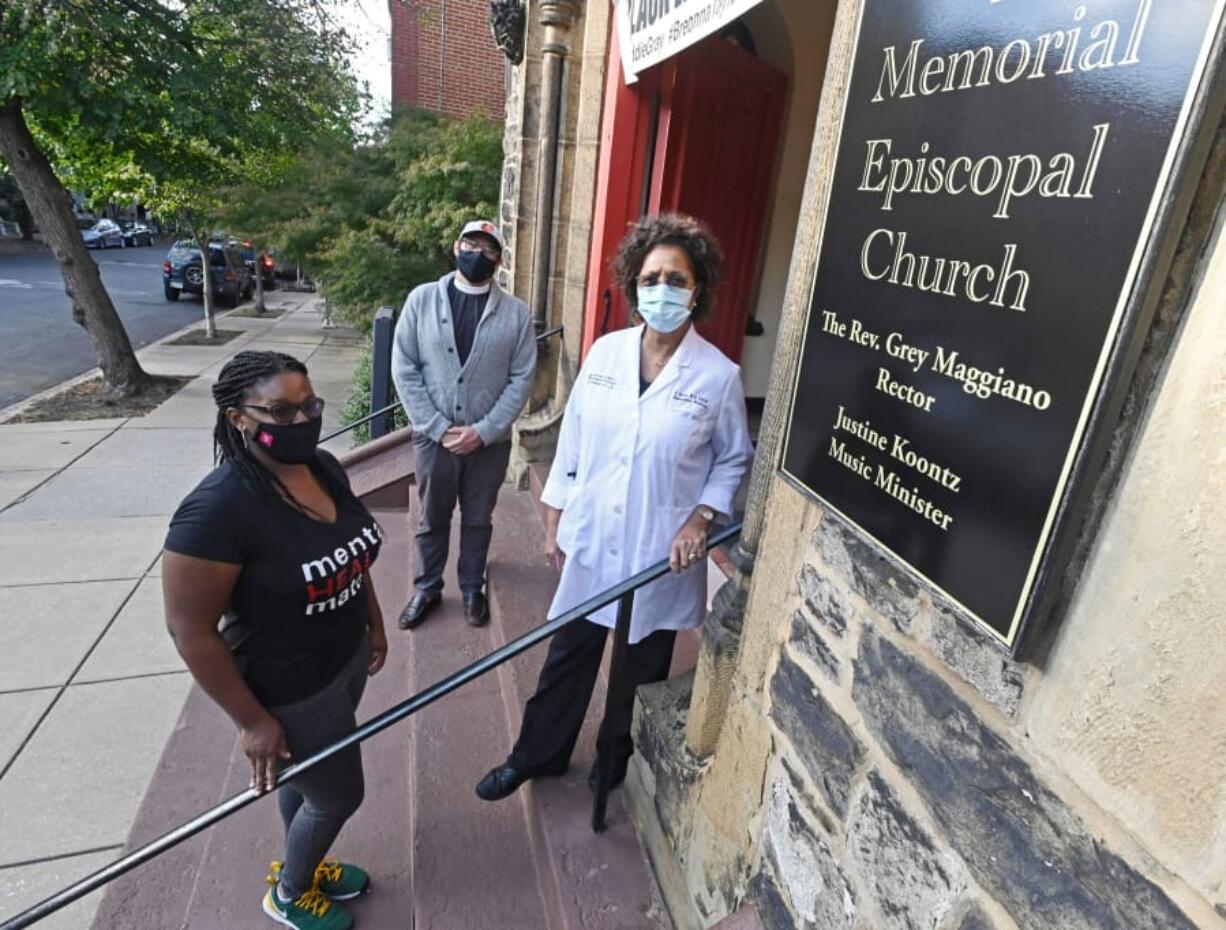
(630, 470)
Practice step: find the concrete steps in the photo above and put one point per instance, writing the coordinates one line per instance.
(215, 881)
(591, 881)
(474, 863)
(440, 858)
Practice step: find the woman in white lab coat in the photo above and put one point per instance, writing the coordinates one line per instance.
(653, 447)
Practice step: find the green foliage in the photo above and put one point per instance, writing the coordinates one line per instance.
(357, 404)
(371, 221)
(165, 102)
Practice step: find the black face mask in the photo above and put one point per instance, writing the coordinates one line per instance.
(291, 444)
(475, 266)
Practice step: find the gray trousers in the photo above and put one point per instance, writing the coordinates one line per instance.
(443, 479)
(316, 804)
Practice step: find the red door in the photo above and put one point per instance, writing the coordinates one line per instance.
(698, 134)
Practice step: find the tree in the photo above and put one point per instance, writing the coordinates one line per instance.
(372, 221)
(13, 206)
(164, 101)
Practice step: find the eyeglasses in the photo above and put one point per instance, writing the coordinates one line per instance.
(312, 408)
(488, 249)
(672, 279)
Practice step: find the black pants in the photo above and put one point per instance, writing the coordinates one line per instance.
(554, 715)
(443, 479)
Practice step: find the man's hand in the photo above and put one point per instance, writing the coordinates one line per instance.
(461, 440)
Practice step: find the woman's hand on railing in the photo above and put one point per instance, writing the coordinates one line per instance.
(264, 745)
(689, 547)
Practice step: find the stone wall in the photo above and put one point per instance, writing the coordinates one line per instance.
(920, 778)
(906, 791)
(884, 766)
(575, 192)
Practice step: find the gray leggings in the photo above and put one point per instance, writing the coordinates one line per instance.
(316, 804)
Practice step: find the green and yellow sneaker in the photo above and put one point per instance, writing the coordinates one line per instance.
(340, 881)
(313, 910)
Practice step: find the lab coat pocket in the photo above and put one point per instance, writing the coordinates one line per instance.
(690, 421)
(692, 405)
(575, 532)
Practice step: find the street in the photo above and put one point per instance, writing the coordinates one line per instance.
(40, 345)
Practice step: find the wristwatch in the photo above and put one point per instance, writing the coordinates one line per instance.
(706, 513)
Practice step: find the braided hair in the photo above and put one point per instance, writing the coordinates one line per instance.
(238, 376)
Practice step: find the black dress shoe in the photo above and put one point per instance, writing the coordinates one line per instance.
(476, 609)
(616, 777)
(416, 609)
(500, 782)
(504, 779)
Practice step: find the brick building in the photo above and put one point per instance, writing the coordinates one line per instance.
(444, 58)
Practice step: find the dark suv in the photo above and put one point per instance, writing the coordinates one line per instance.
(263, 261)
(182, 272)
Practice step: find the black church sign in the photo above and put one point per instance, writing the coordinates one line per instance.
(1005, 171)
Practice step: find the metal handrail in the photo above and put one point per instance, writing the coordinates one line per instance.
(356, 423)
(392, 406)
(623, 592)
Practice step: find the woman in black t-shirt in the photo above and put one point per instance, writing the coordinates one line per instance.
(274, 544)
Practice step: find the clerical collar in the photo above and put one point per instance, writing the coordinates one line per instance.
(465, 288)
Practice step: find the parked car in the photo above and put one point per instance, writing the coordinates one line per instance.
(182, 272)
(263, 261)
(101, 234)
(137, 234)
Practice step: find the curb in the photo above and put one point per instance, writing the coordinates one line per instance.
(21, 405)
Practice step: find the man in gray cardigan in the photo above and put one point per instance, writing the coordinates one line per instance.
(463, 363)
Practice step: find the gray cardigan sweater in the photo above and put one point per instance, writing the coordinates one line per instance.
(490, 390)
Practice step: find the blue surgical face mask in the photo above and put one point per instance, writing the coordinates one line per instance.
(664, 308)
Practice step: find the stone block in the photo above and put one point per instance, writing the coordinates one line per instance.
(978, 661)
(810, 644)
(1021, 842)
(768, 904)
(914, 883)
(659, 739)
(871, 573)
(976, 919)
(824, 601)
(805, 867)
(823, 741)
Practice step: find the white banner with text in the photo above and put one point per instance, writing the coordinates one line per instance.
(652, 31)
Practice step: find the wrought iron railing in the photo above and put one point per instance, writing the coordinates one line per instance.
(622, 594)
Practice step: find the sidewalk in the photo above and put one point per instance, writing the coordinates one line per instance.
(90, 685)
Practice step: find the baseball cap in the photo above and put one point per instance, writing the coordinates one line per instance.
(483, 228)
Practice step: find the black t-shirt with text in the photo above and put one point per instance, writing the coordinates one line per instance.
(299, 607)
